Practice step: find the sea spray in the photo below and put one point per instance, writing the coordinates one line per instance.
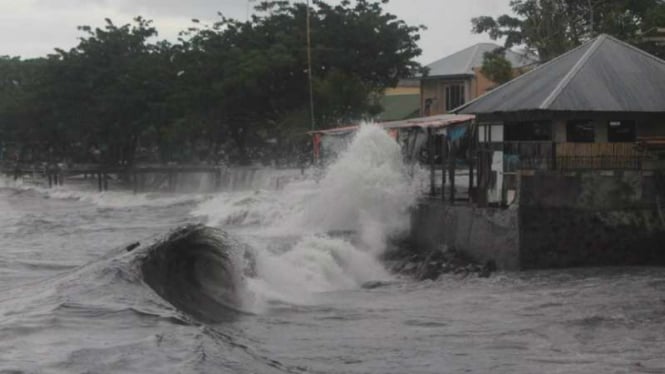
(323, 234)
(367, 190)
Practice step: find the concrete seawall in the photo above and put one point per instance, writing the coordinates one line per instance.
(591, 218)
(586, 218)
(482, 233)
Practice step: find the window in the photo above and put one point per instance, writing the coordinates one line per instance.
(621, 131)
(454, 96)
(528, 131)
(580, 131)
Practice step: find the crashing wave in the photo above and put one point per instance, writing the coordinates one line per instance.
(199, 270)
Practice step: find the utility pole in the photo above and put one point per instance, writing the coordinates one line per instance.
(309, 69)
(591, 18)
(248, 11)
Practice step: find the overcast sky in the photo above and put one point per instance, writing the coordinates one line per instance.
(32, 28)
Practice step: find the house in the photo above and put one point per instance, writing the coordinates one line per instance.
(574, 150)
(457, 79)
(599, 106)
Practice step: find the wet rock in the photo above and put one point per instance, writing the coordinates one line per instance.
(409, 267)
(488, 269)
(375, 284)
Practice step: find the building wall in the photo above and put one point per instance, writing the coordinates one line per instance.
(434, 88)
(430, 89)
(402, 91)
(482, 84)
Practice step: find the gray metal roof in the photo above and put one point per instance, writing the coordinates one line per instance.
(463, 62)
(605, 75)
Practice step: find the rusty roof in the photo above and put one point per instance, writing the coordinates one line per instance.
(438, 121)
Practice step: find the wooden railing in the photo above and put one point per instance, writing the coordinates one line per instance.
(571, 156)
(598, 156)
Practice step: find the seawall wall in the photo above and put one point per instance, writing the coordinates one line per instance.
(481, 233)
(584, 218)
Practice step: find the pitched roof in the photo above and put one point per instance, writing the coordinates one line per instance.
(604, 74)
(463, 62)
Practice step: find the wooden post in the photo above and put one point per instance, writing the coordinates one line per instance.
(553, 156)
(430, 153)
(99, 181)
(444, 162)
(472, 156)
(106, 181)
(50, 179)
(451, 171)
(135, 181)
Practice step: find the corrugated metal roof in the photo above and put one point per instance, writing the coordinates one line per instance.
(463, 62)
(439, 121)
(604, 74)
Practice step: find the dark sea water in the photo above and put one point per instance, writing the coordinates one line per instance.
(73, 300)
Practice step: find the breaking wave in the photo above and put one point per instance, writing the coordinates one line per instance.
(326, 232)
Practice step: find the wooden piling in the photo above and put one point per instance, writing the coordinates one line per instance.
(430, 154)
(451, 171)
(444, 162)
(473, 141)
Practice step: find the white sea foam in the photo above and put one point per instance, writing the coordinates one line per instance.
(119, 199)
(365, 194)
(106, 199)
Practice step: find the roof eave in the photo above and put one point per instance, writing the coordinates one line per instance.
(447, 76)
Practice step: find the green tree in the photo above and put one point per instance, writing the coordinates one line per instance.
(257, 70)
(496, 67)
(552, 27)
(235, 90)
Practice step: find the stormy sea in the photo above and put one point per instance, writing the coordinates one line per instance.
(269, 278)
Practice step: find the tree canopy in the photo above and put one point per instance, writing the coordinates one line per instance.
(552, 27)
(234, 90)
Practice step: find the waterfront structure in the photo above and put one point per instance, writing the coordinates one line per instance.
(562, 166)
(600, 106)
(570, 166)
(457, 78)
(419, 137)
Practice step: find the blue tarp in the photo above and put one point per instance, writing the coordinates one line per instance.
(456, 133)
